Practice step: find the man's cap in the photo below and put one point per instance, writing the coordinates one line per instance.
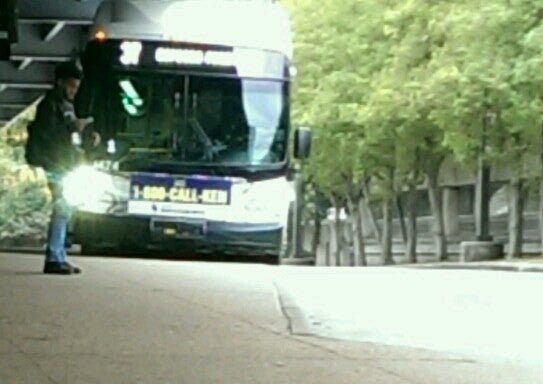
(68, 70)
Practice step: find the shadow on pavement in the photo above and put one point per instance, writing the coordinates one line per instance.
(168, 255)
(29, 273)
(180, 256)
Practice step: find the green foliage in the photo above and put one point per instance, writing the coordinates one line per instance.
(393, 87)
(24, 199)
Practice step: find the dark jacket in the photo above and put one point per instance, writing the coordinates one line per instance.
(50, 135)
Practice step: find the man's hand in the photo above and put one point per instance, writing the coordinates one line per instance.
(80, 125)
(96, 139)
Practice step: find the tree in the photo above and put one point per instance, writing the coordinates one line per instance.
(24, 199)
(524, 115)
(331, 90)
(401, 85)
(484, 120)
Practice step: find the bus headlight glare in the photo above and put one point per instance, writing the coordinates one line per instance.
(272, 196)
(85, 185)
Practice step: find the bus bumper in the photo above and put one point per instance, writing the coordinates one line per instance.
(121, 233)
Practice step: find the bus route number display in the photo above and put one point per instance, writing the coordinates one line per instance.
(211, 191)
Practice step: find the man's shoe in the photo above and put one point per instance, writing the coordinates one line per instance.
(74, 268)
(57, 268)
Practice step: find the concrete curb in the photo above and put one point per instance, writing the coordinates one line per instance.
(511, 267)
(305, 261)
(520, 267)
(26, 250)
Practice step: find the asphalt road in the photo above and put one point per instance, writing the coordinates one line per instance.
(148, 321)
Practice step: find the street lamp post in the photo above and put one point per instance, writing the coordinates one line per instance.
(302, 149)
(8, 27)
(482, 189)
(484, 248)
(300, 205)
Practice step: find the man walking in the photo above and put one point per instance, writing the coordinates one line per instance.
(50, 146)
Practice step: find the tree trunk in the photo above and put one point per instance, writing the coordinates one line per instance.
(515, 218)
(436, 205)
(401, 216)
(541, 197)
(315, 241)
(353, 227)
(362, 261)
(362, 211)
(375, 225)
(328, 251)
(337, 233)
(358, 233)
(541, 211)
(482, 201)
(411, 247)
(387, 232)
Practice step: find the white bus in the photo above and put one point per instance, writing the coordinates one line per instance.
(192, 100)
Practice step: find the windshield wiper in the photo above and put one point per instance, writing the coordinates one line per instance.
(210, 150)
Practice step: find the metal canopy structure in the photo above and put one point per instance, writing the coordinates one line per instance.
(49, 32)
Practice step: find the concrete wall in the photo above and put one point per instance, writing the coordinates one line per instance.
(425, 246)
(453, 174)
(459, 227)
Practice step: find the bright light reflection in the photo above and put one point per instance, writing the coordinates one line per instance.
(131, 52)
(470, 312)
(131, 92)
(86, 185)
(250, 62)
(179, 56)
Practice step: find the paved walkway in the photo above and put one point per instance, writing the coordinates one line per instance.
(526, 264)
(147, 321)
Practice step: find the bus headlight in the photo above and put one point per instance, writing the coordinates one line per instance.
(86, 185)
(271, 197)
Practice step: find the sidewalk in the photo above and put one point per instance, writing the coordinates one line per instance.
(148, 321)
(527, 264)
(480, 313)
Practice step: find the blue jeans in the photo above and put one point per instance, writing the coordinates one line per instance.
(60, 218)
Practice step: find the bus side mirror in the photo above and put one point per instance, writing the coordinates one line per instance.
(302, 143)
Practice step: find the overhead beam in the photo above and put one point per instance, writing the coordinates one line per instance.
(23, 85)
(41, 58)
(61, 9)
(12, 106)
(54, 31)
(64, 43)
(24, 64)
(38, 73)
(48, 20)
(9, 114)
(20, 96)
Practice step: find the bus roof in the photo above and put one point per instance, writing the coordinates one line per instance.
(256, 24)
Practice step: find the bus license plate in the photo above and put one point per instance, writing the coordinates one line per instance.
(190, 190)
(178, 229)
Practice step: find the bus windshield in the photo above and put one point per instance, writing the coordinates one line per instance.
(201, 119)
(187, 114)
